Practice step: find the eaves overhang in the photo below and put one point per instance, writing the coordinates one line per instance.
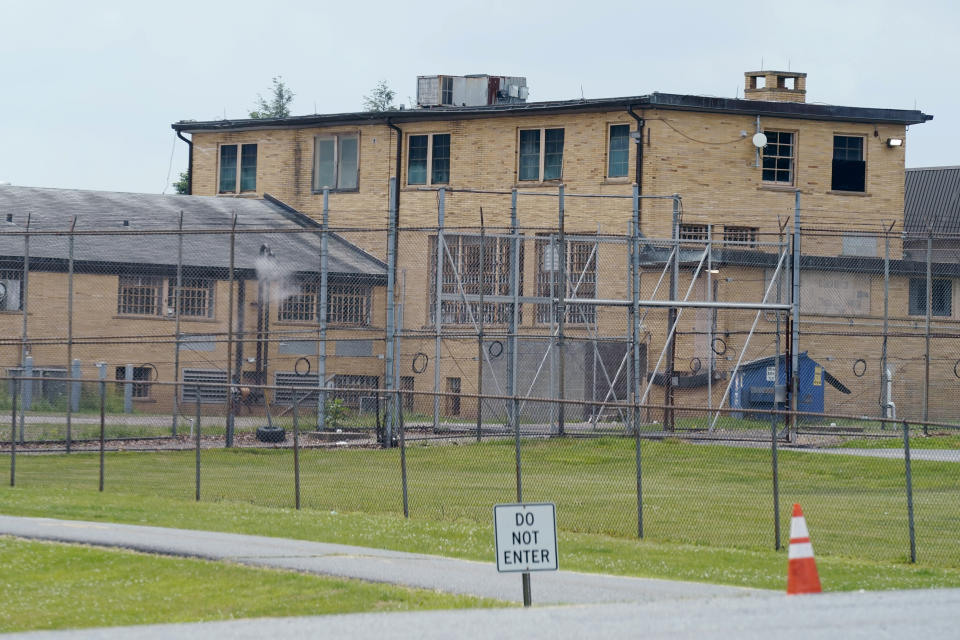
(666, 101)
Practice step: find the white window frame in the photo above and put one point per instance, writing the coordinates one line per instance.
(793, 161)
(610, 127)
(336, 137)
(543, 154)
(429, 182)
(238, 180)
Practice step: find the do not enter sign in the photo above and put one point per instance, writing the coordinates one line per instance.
(526, 537)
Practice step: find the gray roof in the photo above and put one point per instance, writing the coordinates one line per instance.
(138, 243)
(931, 200)
(677, 102)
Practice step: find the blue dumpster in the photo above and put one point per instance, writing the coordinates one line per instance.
(754, 390)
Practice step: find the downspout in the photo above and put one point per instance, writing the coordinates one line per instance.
(189, 163)
(396, 193)
(639, 142)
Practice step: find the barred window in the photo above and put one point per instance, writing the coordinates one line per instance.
(140, 388)
(140, 295)
(365, 388)
(196, 297)
(693, 232)
(347, 304)
(746, 237)
(466, 271)
(301, 306)
(581, 280)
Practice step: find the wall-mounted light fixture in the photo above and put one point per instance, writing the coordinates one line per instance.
(894, 142)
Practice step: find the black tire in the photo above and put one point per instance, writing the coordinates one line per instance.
(271, 434)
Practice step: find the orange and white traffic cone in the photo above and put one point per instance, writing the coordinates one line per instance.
(802, 574)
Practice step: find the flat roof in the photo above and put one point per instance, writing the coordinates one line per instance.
(669, 101)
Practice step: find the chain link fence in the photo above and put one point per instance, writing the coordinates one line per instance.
(677, 388)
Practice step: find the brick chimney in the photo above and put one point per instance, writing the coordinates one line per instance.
(775, 86)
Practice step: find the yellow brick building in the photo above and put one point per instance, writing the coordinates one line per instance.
(740, 167)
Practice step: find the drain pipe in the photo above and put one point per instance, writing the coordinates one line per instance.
(189, 163)
(638, 177)
(396, 193)
(889, 408)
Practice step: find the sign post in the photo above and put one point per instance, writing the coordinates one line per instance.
(526, 536)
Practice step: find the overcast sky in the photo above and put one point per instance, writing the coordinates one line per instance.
(90, 88)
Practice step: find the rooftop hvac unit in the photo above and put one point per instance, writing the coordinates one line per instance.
(513, 91)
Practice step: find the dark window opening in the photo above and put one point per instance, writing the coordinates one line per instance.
(941, 297)
(849, 167)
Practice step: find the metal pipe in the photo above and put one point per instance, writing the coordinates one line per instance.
(672, 317)
(795, 328)
(399, 405)
(13, 432)
(103, 402)
(561, 315)
(480, 314)
(389, 382)
(513, 342)
(910, 523)
(189, 163)
(70, 245)
(926, 331)
(25, 298)
(322, 318)
(231, 408)
(635, 339)
(296, 451)
(176, 330)
(438, 306)
(884, 368)
(196, 432)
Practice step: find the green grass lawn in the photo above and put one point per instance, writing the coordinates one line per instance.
(708, 510)
(57, 586)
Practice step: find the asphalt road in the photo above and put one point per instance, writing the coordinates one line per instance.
(598, 605)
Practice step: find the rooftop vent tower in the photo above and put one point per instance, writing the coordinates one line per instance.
(470, 91)
(775, 86)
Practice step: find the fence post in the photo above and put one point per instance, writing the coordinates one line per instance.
(635, 338)
(176, 330)
(561, 315)
(438, 306)
(231, 383)
(128, 389)
(102, 373)
(885, 371)
(70, 385)
(795, 322)
(322, 319)
(296, 450)
(27, 400)
(776, 483)
(76, 385)
(13, 431)
(196, 424)
(390, 383)
(926, 332)
(906, 458)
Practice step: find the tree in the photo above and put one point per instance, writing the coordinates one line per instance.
(380, 99)
(279, 104)
(182, 183)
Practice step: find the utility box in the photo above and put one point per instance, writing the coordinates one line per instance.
(756, 384)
